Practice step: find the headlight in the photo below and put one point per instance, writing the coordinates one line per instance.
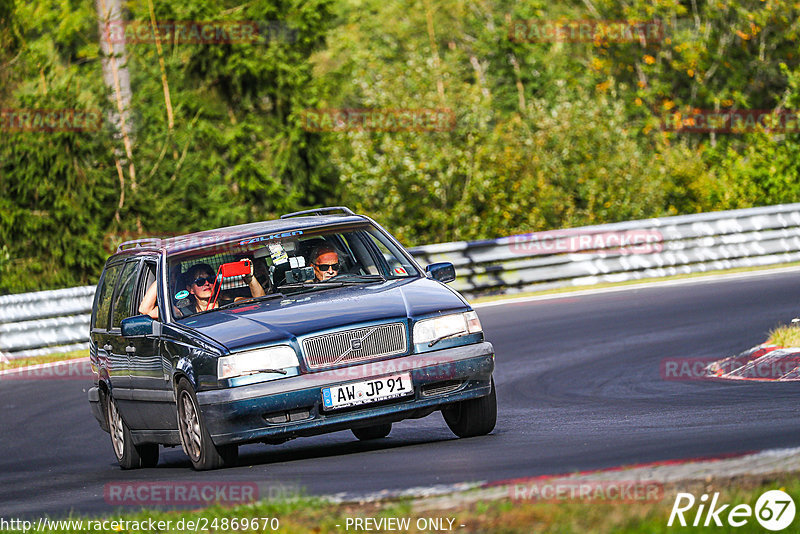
(432, 331)
(272, 359)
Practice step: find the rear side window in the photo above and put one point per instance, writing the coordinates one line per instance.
(124, 296)
(104, 293)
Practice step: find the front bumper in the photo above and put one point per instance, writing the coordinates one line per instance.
(292, 407)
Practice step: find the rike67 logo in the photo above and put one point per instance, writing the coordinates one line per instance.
(774, 510)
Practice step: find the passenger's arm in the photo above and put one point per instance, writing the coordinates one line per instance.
(149, 304)
(256, 290)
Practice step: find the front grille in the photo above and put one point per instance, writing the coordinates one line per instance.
(356, 345)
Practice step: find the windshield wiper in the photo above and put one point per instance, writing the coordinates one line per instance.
(327, 283)
(454, 334)
(339, 281)
(360, 278)
(255, 371)
(249, 300)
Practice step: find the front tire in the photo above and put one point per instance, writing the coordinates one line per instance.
(195, 439)
(473, 417)
(372, 432)
(128, 455)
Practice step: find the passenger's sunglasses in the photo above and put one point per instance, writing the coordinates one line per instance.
(200, 281)
(325, 266)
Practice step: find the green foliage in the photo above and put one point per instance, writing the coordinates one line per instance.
(547, 134)
(236, 151)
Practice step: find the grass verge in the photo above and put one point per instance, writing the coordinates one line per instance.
(305, 515)
(60, 357)
(785, 336)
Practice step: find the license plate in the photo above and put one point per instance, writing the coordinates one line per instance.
(356, 393)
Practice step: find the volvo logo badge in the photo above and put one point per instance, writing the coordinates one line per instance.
(355, 344)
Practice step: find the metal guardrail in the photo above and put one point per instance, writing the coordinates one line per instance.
(622, 251)
(34, 324)
(57, 321)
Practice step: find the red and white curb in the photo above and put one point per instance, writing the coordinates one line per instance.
(762, 363)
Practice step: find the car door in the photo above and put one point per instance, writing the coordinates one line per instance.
(149, 380)
(101, 317)
(121, 308)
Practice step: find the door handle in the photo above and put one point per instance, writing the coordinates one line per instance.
(130, 350)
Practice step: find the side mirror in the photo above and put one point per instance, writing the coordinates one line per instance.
(442, 271)
(140, 326)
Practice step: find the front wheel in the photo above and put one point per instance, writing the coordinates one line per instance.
(195, 439)
(473, 417)
(372, 432)
(128, 455)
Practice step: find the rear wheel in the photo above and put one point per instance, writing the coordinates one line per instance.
(373, 432)
(196, 440)
(473, 417)
(128, 455)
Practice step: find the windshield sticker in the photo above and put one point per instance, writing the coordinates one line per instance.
(400, 270)
(270, 237)
(278, 254)
(180, 295)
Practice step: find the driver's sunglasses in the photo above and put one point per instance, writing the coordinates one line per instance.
(325, 266)
(200, 281)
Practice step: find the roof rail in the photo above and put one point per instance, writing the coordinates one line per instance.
(148, 242)
(319, 211)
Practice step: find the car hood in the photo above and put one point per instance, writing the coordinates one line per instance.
(253, 324)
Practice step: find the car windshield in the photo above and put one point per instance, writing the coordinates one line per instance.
(286, 262)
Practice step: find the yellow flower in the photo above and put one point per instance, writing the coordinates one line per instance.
(669, 104)
(690, 72)
(603, 86)
(649, 60)
(743, 35)
(638, 101)
(727, 102)
(642, 84)
(667, 41)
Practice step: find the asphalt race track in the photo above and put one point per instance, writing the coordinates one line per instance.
(579, 383)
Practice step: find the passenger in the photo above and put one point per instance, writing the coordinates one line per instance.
(200, 280)
(325, 261)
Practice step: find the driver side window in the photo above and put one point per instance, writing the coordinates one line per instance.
(123, 300)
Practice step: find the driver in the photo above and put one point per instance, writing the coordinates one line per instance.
(325, 261)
